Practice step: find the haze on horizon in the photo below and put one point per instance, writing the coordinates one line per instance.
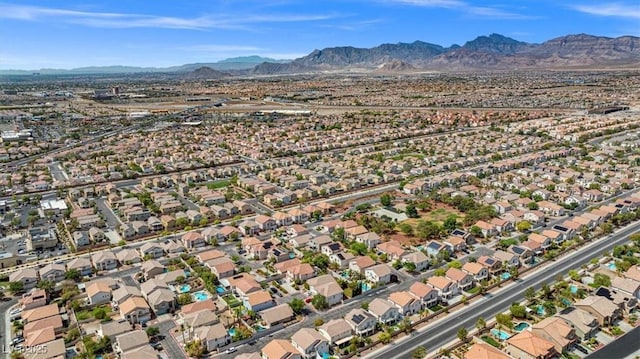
(70, 34)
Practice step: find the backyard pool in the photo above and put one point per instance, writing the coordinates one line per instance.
(505, 276)
(344, 274)
(220, 289)
(184, 288)
(201, 295)
(232, 332)
(502, 335)
(259, 328)
(521, 326)
(540, 310)
(573, 289)
(365, 287)
(612, 266)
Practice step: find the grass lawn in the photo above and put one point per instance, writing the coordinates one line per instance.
(491, 341)
(218, 184)
(435, 308)
(474, 290)
(231, 300)
(437, 215)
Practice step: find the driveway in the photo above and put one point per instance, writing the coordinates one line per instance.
(169, 343)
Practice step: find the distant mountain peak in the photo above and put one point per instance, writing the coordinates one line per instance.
(495, 44)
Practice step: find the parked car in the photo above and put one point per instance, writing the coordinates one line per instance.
(230, 350)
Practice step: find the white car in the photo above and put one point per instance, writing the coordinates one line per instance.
(230, 350)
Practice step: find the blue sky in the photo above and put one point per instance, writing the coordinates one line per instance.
(68, 33)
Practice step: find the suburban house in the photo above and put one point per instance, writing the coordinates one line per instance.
(98, 293)
(556, 330)
(378, 274)
(384, 311)
(585, 324)
(151, 250)
(337, 332)
(418, 258)
(280, 349)
(27, 276)
(406, 302)
(362, 322)
(463, 279)
(359, 264)
(604, 310)
(135, 310)
(477, 270)
(481, 350)
(52, 272)
(104, 260)
(526, 345)
(310, 343)
(258, 300)
(81, 264)
(427, 295)
(212, 336)
(276, 315)
(446, 288)
(327, 286)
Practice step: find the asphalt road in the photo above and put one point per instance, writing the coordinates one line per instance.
(627, 346)
(4, 327)
(169, 343)
(442, 332)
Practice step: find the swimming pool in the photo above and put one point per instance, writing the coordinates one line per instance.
(502, 335)
(573, 289)
(365, 286)
(540, 310)
(505, 276)
(521, 326)
(232, 332)
(612, 266)
(220, 289)
(184, 288)
(259, 328)
(201, 295)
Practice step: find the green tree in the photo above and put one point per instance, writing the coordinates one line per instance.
(450, 223)
(462, 334)
(184, 299)
(195, 348)
(529, 294)
(99, 313)
(386, 199)
(406, 228)
(358, 248)
(475, 231)
(518, 311)
(364, 305)
(297, 305)
(72, 274)
(504, 320)
(16, 287)
(419, 353)
(152, 331)
(481, 323)
(454, 264)
(523, 226)
(601, 280)
(47, 285)
(411, 211)
(319, 301)
(384, 338)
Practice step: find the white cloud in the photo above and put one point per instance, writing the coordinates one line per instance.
(465, 7)
(125, 20)
(221, 48)
(611, 9)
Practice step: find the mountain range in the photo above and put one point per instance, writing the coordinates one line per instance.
(495, 52)
(234, 63)
(492, 52)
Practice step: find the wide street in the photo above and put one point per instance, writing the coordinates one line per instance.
(439, 334)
